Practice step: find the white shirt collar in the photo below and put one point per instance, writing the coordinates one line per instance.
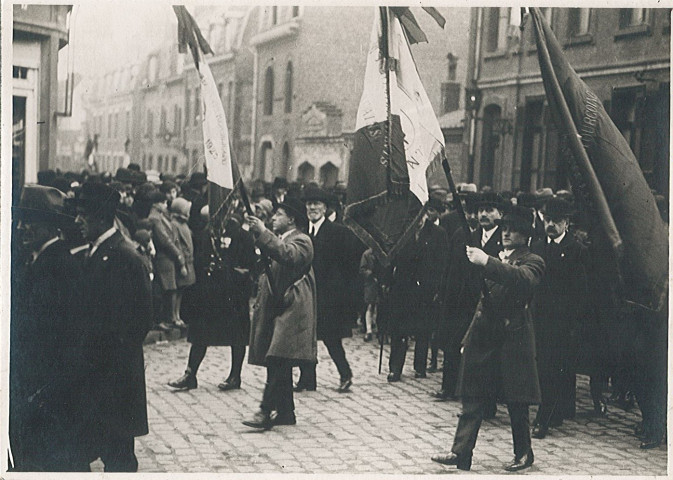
(107, 234)
(283, 236)
(486, 235)
(504, 254)
(557, 240)
(44, 246)
(316, 226)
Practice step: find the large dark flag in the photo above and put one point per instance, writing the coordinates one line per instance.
(398, 143)
(220, 164)
(610, 175)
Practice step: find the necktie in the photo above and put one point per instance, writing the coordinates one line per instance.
(312, 230)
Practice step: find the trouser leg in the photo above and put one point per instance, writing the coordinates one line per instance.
(518, 415)
(117, 453)
(237, 356)
(196, 355)
(336, 351)
(468, 427)
(398, 352)
(278, 389)
(421, 352)
(307, 377)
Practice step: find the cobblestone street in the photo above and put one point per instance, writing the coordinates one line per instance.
(376, 428)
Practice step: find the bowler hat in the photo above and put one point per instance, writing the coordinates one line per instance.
(124, 175)
(526, 199)
(467, 188)
(198, 179)
(97, 195)
(315, 194)
(39, 203)
(279, 182)
(490, 199)
(519, 219)
(542, 194)
(436, 204)
(296, 209)
(557, 207)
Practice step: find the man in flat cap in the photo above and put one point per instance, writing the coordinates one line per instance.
(499, 347)
(558, 309)
(283, 325)
(117, 305)
(45, 345)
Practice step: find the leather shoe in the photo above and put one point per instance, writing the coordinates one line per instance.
(261, 420)
(463, 463)
(230, 384)
(420, 375)
(284, 419)
(540, 431)
(650, 442)
(521, 463)
(394, 377)
(441, 395)
(185, 382)
(300, 387)
(345, 384)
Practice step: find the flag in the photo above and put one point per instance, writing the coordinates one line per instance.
(220, 165)
(631, 206)
(397, 147)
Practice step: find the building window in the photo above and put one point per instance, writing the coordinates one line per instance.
(497, 23)
(150, 123)
(288, 88)
(579, 21)
(150, 162)
(305, 173)
(274, 16)
(450, 97)
(453, 67)
(160, 163)
(174, 164)
(162, 122)
(286, 156)
(295, 11)
(329, 175)
(116, 125)
(266, 153)
(109, 125)
(490, 141)
(268, 91)
(632, 17)
(128, 124)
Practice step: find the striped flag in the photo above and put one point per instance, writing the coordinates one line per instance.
(398, 143)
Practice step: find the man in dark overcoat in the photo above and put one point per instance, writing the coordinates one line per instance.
(558, 307)
(283, 325)
(499, 346)
(333, 281)
(47, 361)
(414, 299)
(117, 306)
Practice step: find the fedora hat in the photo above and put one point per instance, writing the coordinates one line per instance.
(296, 209)
(97, 196)
(518, 218)
(556, 207)
(490, 199)
(39, 203)
(315, 194)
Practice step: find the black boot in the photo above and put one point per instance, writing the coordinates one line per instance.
(185, 382)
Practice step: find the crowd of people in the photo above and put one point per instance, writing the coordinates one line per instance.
(512, 288)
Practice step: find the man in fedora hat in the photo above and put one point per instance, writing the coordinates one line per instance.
(558, 314)
(117, 305)
(45, 427)
(499, 346)
(283, 324)
(333, 281)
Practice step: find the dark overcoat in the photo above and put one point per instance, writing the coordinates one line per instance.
(217, 305)
(117, 304)
(333, 279)
(48, 364)
(284, 318)
(560, 304)
(499, 347)
(419, 271)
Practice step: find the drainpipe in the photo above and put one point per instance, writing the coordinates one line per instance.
(253, 133)
(473, 82)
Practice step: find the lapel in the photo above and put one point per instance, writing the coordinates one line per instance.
(102, 253)
(517, 255)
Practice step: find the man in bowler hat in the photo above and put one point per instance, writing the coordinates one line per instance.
(499, 347)
(117, 305)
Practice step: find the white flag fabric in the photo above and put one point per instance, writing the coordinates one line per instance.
(215, 132)
(423, 139)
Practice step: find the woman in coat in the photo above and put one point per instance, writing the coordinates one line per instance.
(499, 346)
(217, 305)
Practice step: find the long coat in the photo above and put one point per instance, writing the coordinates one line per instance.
(47, 363)
(559, 304)
(217, 305)
(284, 320)
(117, 304)
(186, 245)
(419, 270)
(333, 280)
(499, 355)
(169, 256)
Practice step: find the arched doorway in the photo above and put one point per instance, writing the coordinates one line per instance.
(329, 175)
(305, 173)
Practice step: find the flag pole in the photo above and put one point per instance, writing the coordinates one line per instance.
(579, 153)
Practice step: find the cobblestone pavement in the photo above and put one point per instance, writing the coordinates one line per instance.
(376, 428)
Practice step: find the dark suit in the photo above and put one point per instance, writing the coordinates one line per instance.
(559, 305)
(47, 365)
(332, 274)
(499, 351)
(117, 304)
